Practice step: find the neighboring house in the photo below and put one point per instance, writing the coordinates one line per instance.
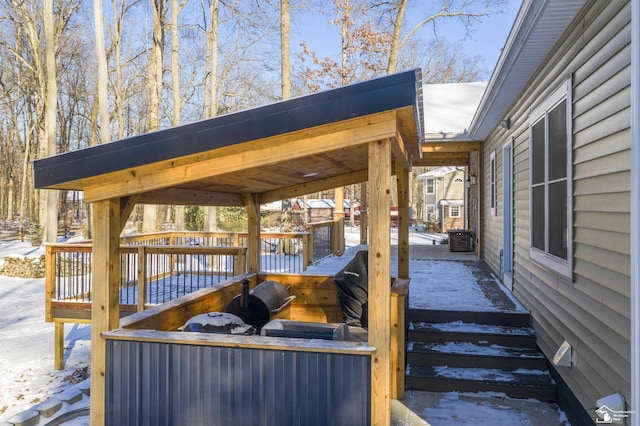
(320, 210)
(444, 196)
(555, 188)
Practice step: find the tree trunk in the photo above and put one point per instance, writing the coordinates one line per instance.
(212, 111)
(150, 218)
(395, 38)
(51, 104)
(103, 73)
(285, 58)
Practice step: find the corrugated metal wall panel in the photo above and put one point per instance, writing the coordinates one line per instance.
(167, 384)
(592, 310)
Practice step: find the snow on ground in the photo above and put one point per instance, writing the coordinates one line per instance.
(26, 342)
(473, 409)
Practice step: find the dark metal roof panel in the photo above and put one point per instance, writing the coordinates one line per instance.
(369, 97)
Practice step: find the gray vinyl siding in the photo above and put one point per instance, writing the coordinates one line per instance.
(592, 311)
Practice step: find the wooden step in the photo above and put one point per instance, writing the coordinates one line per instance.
(458, 331)
(465, 354)
(516, 384)
(510, 319)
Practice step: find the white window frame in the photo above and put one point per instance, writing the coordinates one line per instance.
(457, 215)
(493, 186)
(433, 185)
(543, 257)
(433, 208)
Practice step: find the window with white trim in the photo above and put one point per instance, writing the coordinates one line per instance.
(454, 211)
(550, 180)
(493, 193)
(431, 209)
(430, 185)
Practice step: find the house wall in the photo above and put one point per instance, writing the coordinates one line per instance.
(592, 310)
(449, 222)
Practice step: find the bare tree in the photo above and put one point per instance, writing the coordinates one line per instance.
(175, 86)
(103, 72)
(285, 48)
(156, 68)
(468, 12)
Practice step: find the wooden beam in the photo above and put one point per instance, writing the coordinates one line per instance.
(400, 151)
(58, 347)
(364, 215)
(191, 197)
(338, 219)
(253, 241)
(380, 280)
(314, 186)
(105, 307)
(127, 204)
(448, 158)
(440, 162)
(243, 156)
(430, 147)
(402, 178)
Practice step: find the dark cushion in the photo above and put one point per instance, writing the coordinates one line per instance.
(353, 292)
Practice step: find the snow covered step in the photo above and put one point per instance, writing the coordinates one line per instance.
(521, 337)
(522, 383)
(512, 319)
(466, 354)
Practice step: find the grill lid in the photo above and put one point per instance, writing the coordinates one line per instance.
(218, 322)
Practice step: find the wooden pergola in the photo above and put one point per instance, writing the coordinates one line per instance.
(367, 132)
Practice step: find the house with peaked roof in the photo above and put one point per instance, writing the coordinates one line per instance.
(444, 197)
(558, 188)
(319, 209)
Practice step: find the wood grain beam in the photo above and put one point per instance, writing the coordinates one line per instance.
(379, 280)
(191, 197)
(443, 159)
(105, 305)
(314, 186)
(253, 227)
(244, 156)
(127, 204)
(429, 147)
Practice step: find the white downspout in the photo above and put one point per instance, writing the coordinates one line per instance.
(634, 404)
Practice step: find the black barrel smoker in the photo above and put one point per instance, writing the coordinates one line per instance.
(266, 301)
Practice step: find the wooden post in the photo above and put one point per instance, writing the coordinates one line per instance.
(253, 240)
(50, 290)
(399, 291)
(105, 306)
(364, 220)
(240, 262)
(379, 280)
(142, 277)
(58, 350)
(338, 226)
(308, 257)
(402, 176)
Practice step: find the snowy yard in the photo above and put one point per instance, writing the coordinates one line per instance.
(26, 343)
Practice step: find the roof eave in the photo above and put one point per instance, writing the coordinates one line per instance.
(525, 50)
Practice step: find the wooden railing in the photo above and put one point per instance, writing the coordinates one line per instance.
(157, 268)
(150, 275)
(321, 240)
